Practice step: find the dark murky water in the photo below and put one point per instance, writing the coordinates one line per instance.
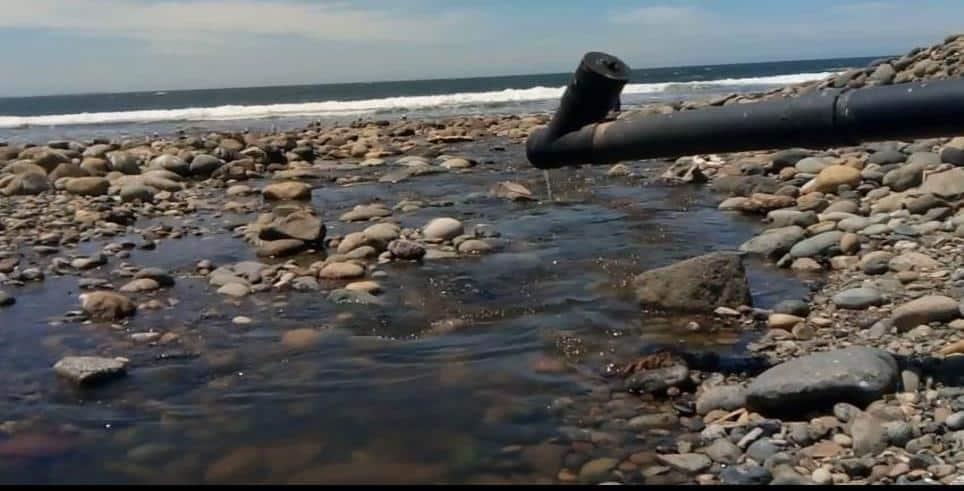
(394, 393)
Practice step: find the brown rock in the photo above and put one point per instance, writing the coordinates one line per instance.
(105, 305)
(287, 191)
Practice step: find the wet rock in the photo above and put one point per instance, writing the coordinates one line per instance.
(341, 271)
(234, 464)
(657, 380)
(140, 285)
(806, 265)
(6, 299)
(774, 242)
(724, 397)
(857, 375)
(930, 308)
(406, 250)
(699, 284)
(382, 233)
(287, 191)
(817, 245)
(163, 278)
(691, 463)
(618, 170)
(299, 339)
(299, 225)
(658, 420)
(85, 263)
(239, 190)
(90, 370)
(443, 229)
(858, 298)
(475, 246)
(372, 287)
(344, 295)
(512, 191)
(281, 247)
(365, 212)
(107, 306)
(351, 241)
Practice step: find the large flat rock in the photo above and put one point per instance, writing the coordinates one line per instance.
(699, 284)
(856, 375)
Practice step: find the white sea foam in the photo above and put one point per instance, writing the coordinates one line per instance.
(370, 106)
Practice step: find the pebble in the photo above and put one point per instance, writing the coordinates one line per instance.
(723, 451)
(747, 474)
(869, 437)
(822, 476)
(792, 307)
(858, 298)
(930, 308)
(955, 421)
(761, 450)
(783, 321)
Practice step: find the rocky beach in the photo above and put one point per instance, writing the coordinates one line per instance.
(410, 301)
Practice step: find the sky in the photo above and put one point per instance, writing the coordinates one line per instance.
(80, 46)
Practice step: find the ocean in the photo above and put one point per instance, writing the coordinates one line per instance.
(162, 111)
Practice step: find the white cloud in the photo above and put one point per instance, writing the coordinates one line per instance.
(209, 21)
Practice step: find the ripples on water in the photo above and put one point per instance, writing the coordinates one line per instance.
(432, 387)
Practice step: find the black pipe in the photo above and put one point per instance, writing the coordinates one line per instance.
(822, 119)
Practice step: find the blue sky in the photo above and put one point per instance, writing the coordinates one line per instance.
(70, 46)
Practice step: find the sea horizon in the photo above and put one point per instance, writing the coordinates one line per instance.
(430, 79)
(26, 119)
